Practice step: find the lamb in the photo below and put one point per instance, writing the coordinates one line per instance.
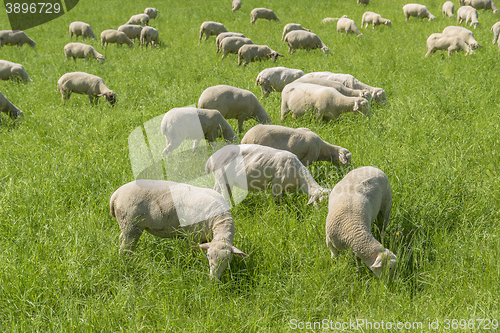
(261, 166)
(465, 34)
(132, 31)
(374, 19)
(180, 124)
(337, 86)
(149, 36)
(115, 36)
(364, 2)
(250, 53)
(469, 14)
(496, 31)
(210, 28)
(348, 25)
(262, 13)
(139, 19)
(439, 41)
(481, 4)
(236, 5)
(167, 209)
(233, 103)
(304, 143)
(233, 44)
(362, 196)
(223, 35)
(12, 71)
(301, 39)
(419, 11)
(79, 50)
(276, 78)
(151, 12)
(80, 29)
(10, 109)
(291, 27)
(83, 83)
(332, 19)
(448, 9)
(326, 102)
(15, 37)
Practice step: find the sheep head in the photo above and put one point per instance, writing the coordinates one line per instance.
(274, 55)
(384, 263)
(219, 254)
(388, 23)
(345, 156)
(110, 97)
(362, 106)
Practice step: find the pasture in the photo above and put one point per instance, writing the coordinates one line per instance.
(437, 139)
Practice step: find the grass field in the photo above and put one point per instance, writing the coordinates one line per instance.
(437, 139)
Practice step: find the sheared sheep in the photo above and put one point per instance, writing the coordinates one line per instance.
(132, 31)
(276, 78)
(250, 53)
(417, 10)
(168, 209)
(440, 41)
(304, 143)
(10, 109)
(180, 124)
(364, 2)
(140, 19)
(362, 196)
(79, 50)
(467, 14)
(496, 31)
(262, 13)
(210, 28)
(374, 19)
(464, 33)
(12, 71)
(448, 9)
(338, 86)
(151, 12)
(86, 84)
(332, 19)
(15, 37)
(149, 36)
(481, 4)
(291, 27)
(349, 26)
(233, 44)
(236, 5)
(233, 103)
(115, 36)
(301, 39)
(80, 29)
(223, 35)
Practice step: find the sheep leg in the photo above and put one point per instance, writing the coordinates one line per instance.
(333, 250)
(128, 241)
(359, 264)
(240, 123)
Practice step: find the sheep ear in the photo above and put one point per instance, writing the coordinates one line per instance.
(356, 106)
(238, 252)
(202, 247)
(312, 199)
(342, 158)
(101, 95)
(377, 263)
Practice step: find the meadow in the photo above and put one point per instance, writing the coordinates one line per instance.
(436, 138)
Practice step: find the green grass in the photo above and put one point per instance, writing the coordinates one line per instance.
(437, 139)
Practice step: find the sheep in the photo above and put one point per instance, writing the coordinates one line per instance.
(348, 25)
(255, 167)
(304, 143)
(301, 39)
(12, 71)
(83, 83)
(80, 29)
(139, 19)
(210, 28)
(167, 209)
(374, 19)
(467, 13)
(262, 13)
(291, 27)
(151, 12)
(132, 31)
(440, 41)
(448, 9)
(15, 37)
(276, 78)
(79, 50)
(496, 31)
(481, 4)
(223, 35)
(364, 2)
(337, 86)
(465, 34)
(250, 53)
(10, 109)
(196, 124)
(419, 11)
(326, 102)
(332, 19)
(233, 103)
(236, 5)
(115, 36)
(362, 196)
(233, 44)
(149, 35)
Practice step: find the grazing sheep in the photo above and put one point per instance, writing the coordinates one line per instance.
(12, 71)
(463, 33)
(467, 14)
(349, 26)
(151, 12)
(448, 9)
(481, 4)
(276, 78)
(439, 41)
(374, 19)
(419, 11)
(210, 28)
(132, 31)
(233, 103)
(262, 13)
(250, 53)
(236, 5)
(115, 36)
(496, 31)
(304, 143)
(291, 27)
(362, 196)
(149, 36)
(10, 109)
(337, 86)
(79, 50)
(223, 35)
(332, 19)
(168, 209)
(364, 2)
(260, 167)
(139, 19)
(301, 39)
(80, 29)
(15, 37)
(180, 124)
(233, 44)
(326, 102)
(86, 84)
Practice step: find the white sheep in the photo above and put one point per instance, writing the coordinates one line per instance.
(167, 209)
(449, 9)
(132, 31)
(364, 2)
(464, 33)
(233, 103)
(417, 10)
(86, 84)
(467, 14)
(481, 4)
(374, 19)
(332, 19)
(348, 25)
(79, 50)
(304, 143)
(439, 41)
(12, 71)
(151, 12)
(115, 36)
(325, 102)
(261, 166)
(262, 13)
(223, 35)
(10, 109)
(291, 27)
(232, 45)
(496, 31)
(80, 29)
(250, 53)
(149, 36)
(180, 124)
(236, 5)
(338, 86)
(15, 37)
(139, 19)
(276, 78)
(210, 28)
(361, 197)
(301, 39)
